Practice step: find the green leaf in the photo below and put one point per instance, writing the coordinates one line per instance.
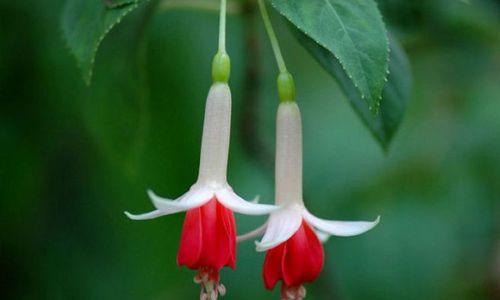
(117, 3)
(353, 32)
(116, 111)
(85, 23)
(395, 95)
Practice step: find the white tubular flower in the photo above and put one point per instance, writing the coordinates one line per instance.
(212, 180)
(286, 221)
(208, 240)
(292, 234)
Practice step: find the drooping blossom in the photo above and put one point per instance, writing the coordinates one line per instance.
(292, 234)
(208, 239)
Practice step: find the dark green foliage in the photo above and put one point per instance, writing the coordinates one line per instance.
(395, 95)
(85, 23)
(73, 157)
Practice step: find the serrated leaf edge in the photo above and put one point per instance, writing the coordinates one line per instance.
(87, 77)
(379, 15)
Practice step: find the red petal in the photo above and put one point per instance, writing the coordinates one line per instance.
(191, 240)
(229, 224)
(272, 271)
(208, 238)
(304, 257)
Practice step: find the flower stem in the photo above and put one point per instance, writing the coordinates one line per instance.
(200, 5)
(272, 37)
(286, 85)
(221, 64)
(222, 26)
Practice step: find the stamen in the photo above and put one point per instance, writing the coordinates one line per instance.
(208, 279)
(293, 292)
(197, 279)
(222, 289)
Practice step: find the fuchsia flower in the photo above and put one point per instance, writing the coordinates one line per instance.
(292, 234)
(298, 260)
(208, 240)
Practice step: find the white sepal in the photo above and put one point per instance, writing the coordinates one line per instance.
(339, 228)
(193, 198)
(282, 225)
(230, 200)
(147, 216)
(252, 234)
(322, 236)
(256, 199)
(196, 197)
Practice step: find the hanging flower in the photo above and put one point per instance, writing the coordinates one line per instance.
(208, 240)
(292, 234)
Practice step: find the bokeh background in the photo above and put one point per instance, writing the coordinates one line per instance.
(73, 158)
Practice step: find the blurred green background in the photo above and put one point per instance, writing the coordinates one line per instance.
(73, 157)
